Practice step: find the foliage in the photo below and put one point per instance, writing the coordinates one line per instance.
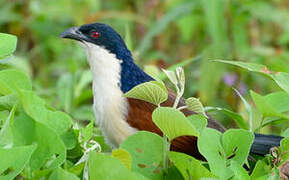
(46, 121)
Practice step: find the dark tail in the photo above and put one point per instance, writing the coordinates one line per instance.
(263, 143)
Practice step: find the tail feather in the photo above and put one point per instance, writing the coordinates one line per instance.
(263, 143)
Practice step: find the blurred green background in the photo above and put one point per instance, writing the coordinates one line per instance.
(160, 33)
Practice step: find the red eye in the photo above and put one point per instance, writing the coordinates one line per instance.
(95, 34)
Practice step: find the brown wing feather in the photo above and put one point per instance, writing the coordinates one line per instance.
(139, 116)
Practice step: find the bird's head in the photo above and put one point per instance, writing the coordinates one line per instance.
(108, 54)
(99, 34)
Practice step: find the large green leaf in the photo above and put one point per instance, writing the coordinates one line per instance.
(12, 80)
(239, 172)
(233, 145)
(36, 108)
(173, 123)
(106, 167)
(237, 144)
(8, 101)
(249, 66)
(61, 174)
(261, 170)
(8, 45)
(146, 150)
(189, 167)
(13, 160)
(154, 92)
(279, 100)
(50, 151)
(210, 146)
(265, 107)
(198, 121)
(282, 79)
(123, 156)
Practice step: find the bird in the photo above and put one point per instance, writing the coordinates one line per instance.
(115, 73)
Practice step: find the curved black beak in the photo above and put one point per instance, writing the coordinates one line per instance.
(73, 33)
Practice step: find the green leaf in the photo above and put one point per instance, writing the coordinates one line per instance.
(210, 146)
(194, 104)
(282, 79)
(285, 133)
(189, 167)
(284, 147)
(8, 44)
(154, 92)
(261, 169)
(87, 132)
(249, 66)
(106, 167)
(198, 121)
(7, 102)
(13, 160)
(61, 174)
(69, 139)
(77, 169)
(12, 80)
(6, 136)
(146, 159)
(264, 107)
(35, 107)
(123, 156)
(239, 172)
(172, 76)
(279, 100)
(220, 150)
(50, 151)
(173, 123)
(237, 144)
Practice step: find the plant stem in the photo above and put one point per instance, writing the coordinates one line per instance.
(166, 149)
(182, 107)
(179, 95)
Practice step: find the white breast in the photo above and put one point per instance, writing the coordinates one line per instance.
(110, 107)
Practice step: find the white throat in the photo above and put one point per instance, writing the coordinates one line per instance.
(110, 107)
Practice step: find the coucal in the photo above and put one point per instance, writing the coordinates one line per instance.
(114, 73)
